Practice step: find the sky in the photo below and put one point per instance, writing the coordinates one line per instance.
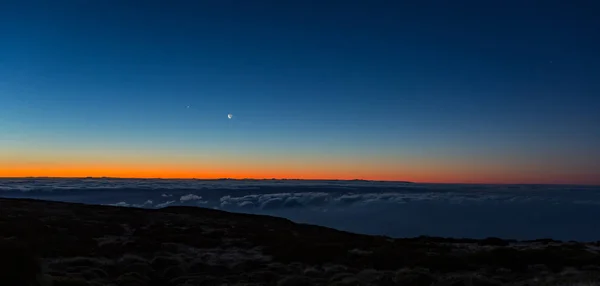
(425, 91)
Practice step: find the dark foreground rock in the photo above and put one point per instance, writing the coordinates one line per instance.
(53, 243)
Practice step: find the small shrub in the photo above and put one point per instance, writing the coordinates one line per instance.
(493, 241)
(173, 272)
(369, 275)
(18, 265)
(130, 258)
(295, 280)
(417, 277)
(340, 276)
(66, 281)
(196, 280)
(348, 281)
(163, 262)
(79, 261)
(312, 272)
(132, 278)
(142, 268)
(263, 276)
(94, 274)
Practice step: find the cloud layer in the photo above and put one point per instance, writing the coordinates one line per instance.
(395, 209)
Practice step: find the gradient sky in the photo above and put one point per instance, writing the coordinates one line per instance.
(428, 91)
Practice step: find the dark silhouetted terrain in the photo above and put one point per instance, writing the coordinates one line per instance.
(54, 243)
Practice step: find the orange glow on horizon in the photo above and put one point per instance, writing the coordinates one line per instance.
(217, 172)
(322, 167)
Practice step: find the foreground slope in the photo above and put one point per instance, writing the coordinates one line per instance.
(101, 245)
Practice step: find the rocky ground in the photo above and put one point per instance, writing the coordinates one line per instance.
(53, 243)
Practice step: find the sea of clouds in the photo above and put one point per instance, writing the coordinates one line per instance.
(383, 208)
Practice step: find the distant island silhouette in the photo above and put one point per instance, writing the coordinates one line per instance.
(208, 180)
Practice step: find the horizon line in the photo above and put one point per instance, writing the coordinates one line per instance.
(295, 179)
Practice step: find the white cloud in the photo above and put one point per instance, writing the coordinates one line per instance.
(247, 204)
(146, 204)
(271, 203)
(190, 197)
(368, 207)
(322, 199)
(120, 204)
(162, 205)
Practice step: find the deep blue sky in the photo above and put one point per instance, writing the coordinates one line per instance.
(507, 86)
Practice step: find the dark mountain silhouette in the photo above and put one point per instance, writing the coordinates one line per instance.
(45, 242)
